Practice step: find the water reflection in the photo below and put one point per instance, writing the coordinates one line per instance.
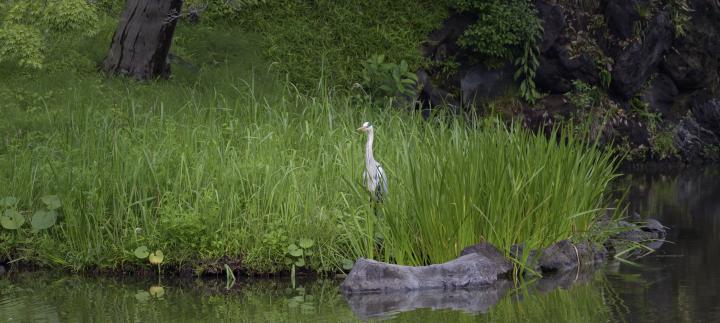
(680, 282)
(40, 297)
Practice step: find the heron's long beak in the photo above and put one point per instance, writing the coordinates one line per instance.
(361, 129)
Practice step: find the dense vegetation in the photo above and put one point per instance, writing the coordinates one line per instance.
(229, 163)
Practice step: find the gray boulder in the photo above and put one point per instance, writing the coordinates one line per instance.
(565, 255)
(474, 269)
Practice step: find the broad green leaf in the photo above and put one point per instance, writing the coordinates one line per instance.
(11, 219)
(292, 247)
(300, 262)
(156, 257)
(51, 201)
(296, 253)
(306, 243)
(8, 201)
(141, 252)
(142, 296)
(43, 219)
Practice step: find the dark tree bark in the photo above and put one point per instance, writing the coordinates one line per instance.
(142, 40)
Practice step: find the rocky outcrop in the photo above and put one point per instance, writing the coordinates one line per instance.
(648, 64)
(482, 266)
(635, 63)
(698, 135)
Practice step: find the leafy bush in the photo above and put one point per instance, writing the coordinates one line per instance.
(29, 27)
(384, 80)
(505, 30)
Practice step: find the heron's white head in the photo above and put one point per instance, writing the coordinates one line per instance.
(366, 127)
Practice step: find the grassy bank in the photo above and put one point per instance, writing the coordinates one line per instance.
(227, 163)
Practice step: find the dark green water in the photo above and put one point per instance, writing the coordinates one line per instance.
(679, 283)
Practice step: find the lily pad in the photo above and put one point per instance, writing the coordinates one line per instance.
(157, 291)
(11, 219)
(306, 243)
(8, 201)
(347, 264)
(51, 201)
(142, 296)
(141, 252)
(43, 219)
(156, 257)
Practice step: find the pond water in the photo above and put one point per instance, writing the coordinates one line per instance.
(679, 283)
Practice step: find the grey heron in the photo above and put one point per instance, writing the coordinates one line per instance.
(374, 176)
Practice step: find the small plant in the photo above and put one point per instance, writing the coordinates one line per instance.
(296, 254)
(155, 258)
(10, 219)
(44, 218)
(385, 80)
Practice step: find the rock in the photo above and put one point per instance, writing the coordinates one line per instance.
(517, 250)
(693, 63)
(652, 230)
(554, 23)
(640, 59)
(551, 76)
(564, 255)
(431, 95)
(475, 269)
(698, 134)
(707, 115)
(621, 17)
(660, 95)
(481, 84)
(368, 306)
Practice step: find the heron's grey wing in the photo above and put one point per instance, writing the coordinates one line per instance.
(382, 187)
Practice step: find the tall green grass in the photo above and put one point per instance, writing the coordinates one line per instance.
(235, 175)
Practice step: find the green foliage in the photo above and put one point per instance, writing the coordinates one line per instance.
(385, 80)
(21, 44)
(329, 40)
(28, 28)
(505, 30)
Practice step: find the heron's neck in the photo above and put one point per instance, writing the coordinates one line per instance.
(369, 150)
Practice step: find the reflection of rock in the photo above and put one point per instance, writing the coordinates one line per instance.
(367, 306)
(479, 268)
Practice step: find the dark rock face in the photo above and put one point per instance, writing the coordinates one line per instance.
(698, 134)
(636, 63)
(621, 17)
(479, 84)
(633, 44)
(474, 269)
(661, 94)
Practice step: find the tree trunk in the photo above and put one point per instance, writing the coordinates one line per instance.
(142, 40)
